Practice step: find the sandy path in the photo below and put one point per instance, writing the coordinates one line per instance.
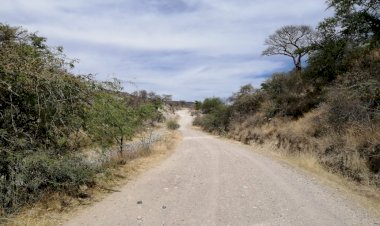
(208, 181)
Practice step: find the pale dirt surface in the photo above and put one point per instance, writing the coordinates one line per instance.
(208, 181)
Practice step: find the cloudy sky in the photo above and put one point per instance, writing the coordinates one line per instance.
(191, 49)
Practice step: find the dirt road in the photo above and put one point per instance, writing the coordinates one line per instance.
(208, 181)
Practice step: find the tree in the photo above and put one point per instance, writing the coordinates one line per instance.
(217, 114)
(358, 19)
(42, 108)
(109, 118)
(109, 121)
(292, 41)
(42, 104)
(343, 39)
(328, 54)
(247, 100)
(211, 104)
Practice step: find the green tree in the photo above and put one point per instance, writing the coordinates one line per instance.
(359, 19)
(41, 106)
(41, 102)
(110, 120)
(343, 39)
(211, 104)
(247, 100)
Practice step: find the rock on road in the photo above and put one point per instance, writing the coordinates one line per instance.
(209, 181)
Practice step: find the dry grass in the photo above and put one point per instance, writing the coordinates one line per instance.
(55, 208)
(337, 158)
(367, 195)
(295, 142)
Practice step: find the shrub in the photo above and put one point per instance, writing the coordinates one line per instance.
(172, 124)
(245, 104)
(34, 174)
(217, 121)
(41, 102)
(210, 105)
(47, 113)
(197, 120)
(288, 94)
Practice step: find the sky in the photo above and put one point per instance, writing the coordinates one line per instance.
(191, 49)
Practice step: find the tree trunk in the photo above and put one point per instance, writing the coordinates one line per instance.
(121, 145)
(298, 64)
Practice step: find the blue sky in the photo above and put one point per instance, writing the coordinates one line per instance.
(191, 49)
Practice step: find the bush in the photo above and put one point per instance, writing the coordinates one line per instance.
(210, 105)
(245, 104)
(289, 95)
(197, 120)
(41, 102)
(172, 124)
(34, 174)
(47, 113)
(217, 121)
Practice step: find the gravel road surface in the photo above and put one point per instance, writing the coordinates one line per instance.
(209, 181)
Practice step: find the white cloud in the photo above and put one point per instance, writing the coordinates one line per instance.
(189, 48)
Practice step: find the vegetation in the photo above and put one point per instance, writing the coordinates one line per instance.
(172, 124)
(330, 109)
(292, 41)
(216, 115)
(48, 115)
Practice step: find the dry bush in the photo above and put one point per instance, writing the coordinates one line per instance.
(172, 124)
(35, 174)
(197, 120)
(351, 152)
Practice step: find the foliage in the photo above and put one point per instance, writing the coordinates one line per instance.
(34, 174)
(359, 19)
(172, 124)
(330, 109)
(197, 105)
(210, 105)
(45, 109)
(110, 121)
(216, 116)
(246, 101)
(41, 103)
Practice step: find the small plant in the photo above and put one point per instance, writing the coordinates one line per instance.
(172, 124)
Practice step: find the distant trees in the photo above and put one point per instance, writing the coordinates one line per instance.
(292, 41)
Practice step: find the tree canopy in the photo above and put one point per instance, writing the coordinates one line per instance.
(292, 41)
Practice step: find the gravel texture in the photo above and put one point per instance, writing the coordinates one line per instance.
(208, 181)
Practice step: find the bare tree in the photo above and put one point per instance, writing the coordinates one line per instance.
(290, 41)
